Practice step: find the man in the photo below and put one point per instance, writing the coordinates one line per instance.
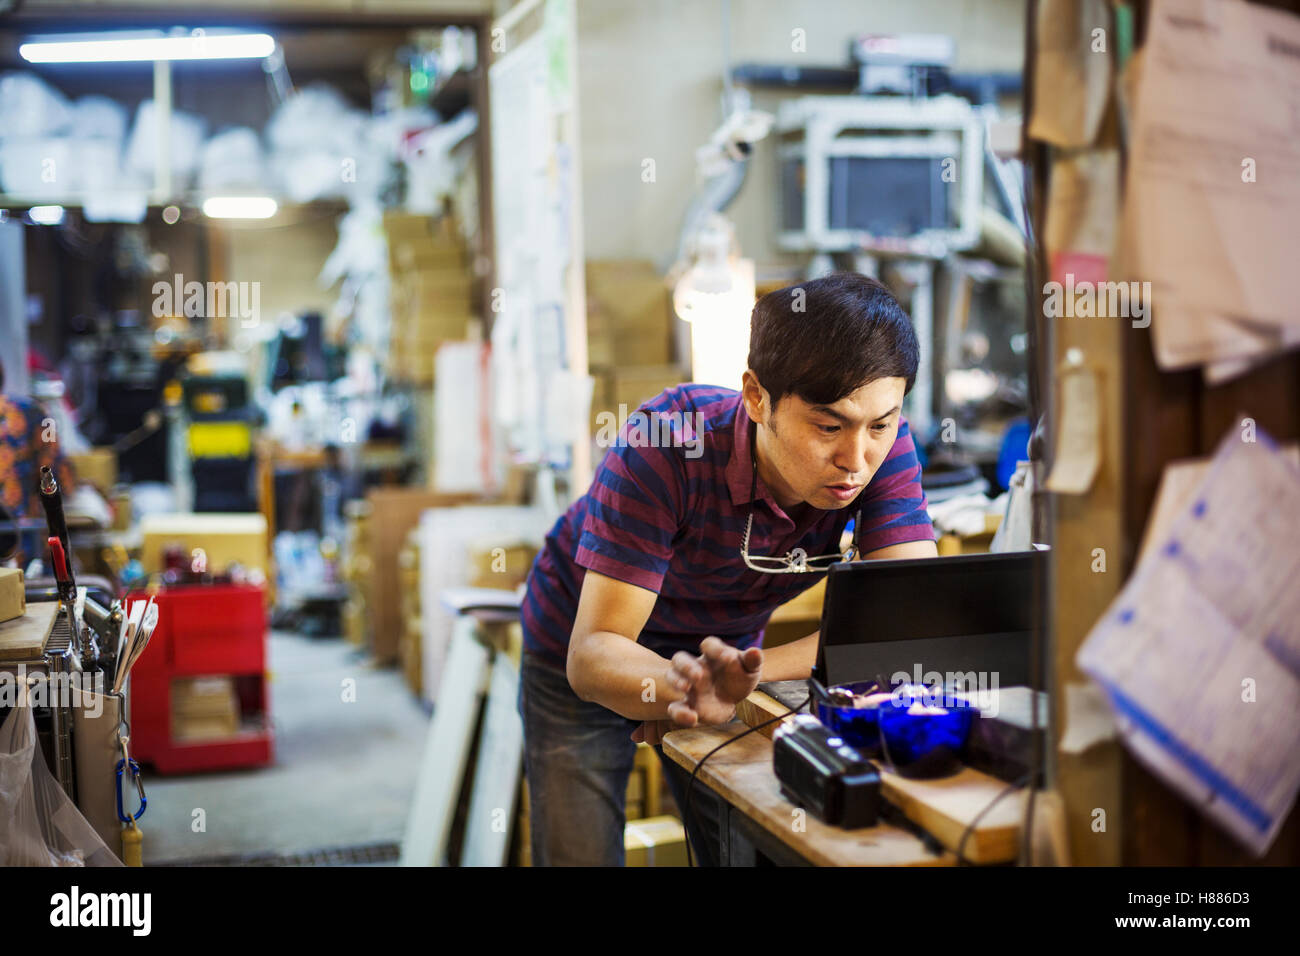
(646, 607)
(27, 442)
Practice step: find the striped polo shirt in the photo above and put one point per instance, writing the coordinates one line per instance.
(668, 516)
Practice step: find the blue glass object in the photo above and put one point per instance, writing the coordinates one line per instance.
(857, 725)
(923, 740)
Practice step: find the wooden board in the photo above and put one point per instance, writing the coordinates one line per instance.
(23, 638)
(446, 750)
(742, 774)
(758, 708)
(496, 774)
(945, 808)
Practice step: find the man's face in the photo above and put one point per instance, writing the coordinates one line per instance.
(824, 454)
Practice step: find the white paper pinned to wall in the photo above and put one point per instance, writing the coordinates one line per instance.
(1200, 652)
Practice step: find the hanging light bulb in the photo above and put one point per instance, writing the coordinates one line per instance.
(716, 296)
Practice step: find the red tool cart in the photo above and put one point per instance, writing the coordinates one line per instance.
(207, 636)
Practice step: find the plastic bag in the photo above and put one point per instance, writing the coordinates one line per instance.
(39, 823)
(185, 141)
(232, 161)
(31, 107)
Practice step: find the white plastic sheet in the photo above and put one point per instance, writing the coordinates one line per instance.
(39, 823)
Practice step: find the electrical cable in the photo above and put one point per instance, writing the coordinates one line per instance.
(970, 827)
(687, 811)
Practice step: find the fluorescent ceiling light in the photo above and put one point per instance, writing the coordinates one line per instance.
(239, 207)
(110, 49)
(46, 215)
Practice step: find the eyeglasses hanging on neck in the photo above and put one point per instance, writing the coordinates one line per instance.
(798, 560)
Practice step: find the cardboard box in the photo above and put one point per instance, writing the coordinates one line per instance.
(354, 623)
(97, 467)
(422, 242)
(13, 596)
(629, 314)
(393, 513)
(422, 320)
(630, 386)
(225, 537)
(500, 564)
(655, 841)
(204, 696)
(204, 708)
(411, 653)
(433, 287)
(636, 384)
(203, 728)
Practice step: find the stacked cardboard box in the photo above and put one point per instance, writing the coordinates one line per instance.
(629, 314)
(629, 336)
(409, 642)
(393, 513)
(356, 572)
(432, 293)
(504, 565)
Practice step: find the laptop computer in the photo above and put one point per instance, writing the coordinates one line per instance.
(912, 619)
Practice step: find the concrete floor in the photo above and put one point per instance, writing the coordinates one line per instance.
(343, 776)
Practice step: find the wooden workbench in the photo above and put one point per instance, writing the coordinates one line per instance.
(758, 822)
(944, 809)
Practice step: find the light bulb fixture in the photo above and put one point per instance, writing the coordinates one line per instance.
(239, 207)
(46, 215)
(151, 47)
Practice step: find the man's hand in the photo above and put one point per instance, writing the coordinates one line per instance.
(713, 683)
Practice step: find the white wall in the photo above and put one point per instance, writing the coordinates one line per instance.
(649, 78)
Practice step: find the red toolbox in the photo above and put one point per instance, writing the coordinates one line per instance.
(217, 634)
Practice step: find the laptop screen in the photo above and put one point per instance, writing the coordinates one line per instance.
(931, 620)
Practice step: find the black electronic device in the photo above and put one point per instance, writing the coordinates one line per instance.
(821, 773)
(954, 616)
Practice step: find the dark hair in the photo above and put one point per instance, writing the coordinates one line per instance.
(825, 338)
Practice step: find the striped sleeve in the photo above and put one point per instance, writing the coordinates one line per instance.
(632, 516)
(893, 506)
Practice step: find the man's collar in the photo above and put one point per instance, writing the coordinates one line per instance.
(740, 467)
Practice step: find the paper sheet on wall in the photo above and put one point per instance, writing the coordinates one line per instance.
(1178, 483)
(1078, 434)
(1200, 652)
(1088, 718)
(463, 459)
(1082, 215)
(532, 211)
(1271, 343)
(1185, 333)
(1072, 72)
(1214, 174)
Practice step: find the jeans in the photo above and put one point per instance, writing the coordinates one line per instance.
(578, 756)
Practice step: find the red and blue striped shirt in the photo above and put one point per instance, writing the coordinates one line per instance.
(668, 516)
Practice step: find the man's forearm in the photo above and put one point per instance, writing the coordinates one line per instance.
(793, 661)
(620, 674)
